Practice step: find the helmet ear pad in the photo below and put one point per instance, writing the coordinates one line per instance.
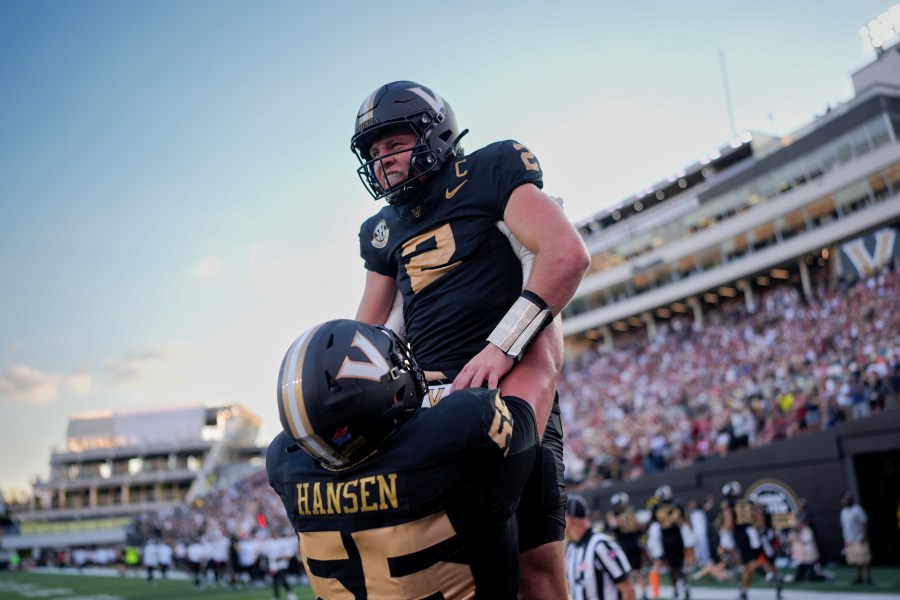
(344, 387)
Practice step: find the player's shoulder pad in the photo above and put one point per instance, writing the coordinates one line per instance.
(281, 454)
(498, 151)
(369, 225)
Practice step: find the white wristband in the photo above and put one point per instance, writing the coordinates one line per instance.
(521, 324)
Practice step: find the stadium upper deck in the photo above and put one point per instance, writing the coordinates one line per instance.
(758, 208)
(120, 464)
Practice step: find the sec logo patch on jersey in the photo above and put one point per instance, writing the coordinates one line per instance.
(381, 234)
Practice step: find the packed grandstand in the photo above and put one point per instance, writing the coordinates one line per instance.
(745, 379)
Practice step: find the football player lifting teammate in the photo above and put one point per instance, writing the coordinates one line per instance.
(385, 503)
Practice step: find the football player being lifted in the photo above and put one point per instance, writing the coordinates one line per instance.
(469, 311)
(385, 503)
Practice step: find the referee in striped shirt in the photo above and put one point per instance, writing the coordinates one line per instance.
(595, 564)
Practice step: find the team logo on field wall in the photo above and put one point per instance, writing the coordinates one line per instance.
(778, 498)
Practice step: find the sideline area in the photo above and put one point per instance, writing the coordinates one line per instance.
(767, 593)
(108, 584)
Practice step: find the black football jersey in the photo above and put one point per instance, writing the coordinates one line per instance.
(428, 516)
(670, 517)
(456, 270)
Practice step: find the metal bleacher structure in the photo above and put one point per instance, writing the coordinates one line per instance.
(117, 465)
(754, 211)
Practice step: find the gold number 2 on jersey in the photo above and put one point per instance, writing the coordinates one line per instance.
(531, 163)
(427, 266)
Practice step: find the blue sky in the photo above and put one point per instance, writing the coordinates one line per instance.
(178, 200)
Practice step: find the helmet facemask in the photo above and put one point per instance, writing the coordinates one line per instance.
(411, 108)
(422, 161)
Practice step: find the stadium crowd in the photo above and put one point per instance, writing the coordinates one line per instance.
(240, 510)
(744, 379)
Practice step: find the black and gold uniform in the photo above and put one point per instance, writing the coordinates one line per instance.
(456, 270)
(746, 536)
(427, 516)
(668, 518)
(667, 538)
(458, 276)
(623, 525)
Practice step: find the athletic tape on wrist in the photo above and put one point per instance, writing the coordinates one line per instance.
(521, 324)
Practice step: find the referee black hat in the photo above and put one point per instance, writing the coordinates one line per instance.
(577, 507)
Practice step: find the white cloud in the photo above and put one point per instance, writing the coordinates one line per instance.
(28, 385)
(207, 268)
(79, 384)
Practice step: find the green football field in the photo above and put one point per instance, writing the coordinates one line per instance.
(91, 587)
(885, 580)
(22, 585)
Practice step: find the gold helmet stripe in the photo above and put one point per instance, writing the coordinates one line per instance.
(293, 401)
(367, 109)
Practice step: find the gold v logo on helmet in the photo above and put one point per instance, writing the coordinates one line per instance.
(376, 367)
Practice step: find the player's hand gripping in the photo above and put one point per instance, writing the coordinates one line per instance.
(486, 368)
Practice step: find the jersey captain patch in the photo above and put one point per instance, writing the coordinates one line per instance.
(381, 234)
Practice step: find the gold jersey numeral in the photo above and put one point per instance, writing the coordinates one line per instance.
(743, 512)
(528, 158)
(376, 547)
(427, 266)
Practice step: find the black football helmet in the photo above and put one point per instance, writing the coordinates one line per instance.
(619, 500)
(663, 493)
(732, 489)
(344, 387)
(410, 107)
